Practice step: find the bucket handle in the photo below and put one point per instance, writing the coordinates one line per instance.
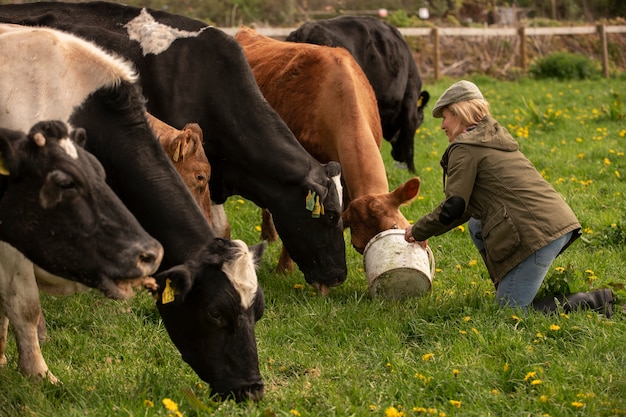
(431, 261)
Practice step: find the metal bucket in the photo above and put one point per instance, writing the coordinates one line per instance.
(395, 268)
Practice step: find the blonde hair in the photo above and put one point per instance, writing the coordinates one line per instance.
(470, 112)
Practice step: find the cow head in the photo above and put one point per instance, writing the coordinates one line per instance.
(319, 219)
(57, 210)
(209, 307)
(371, 214)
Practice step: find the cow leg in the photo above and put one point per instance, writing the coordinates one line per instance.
(23, 310)
(285, 263)
(4, 327)
(219, 221)
(268, 231)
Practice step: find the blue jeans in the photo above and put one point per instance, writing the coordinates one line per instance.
(519, 287)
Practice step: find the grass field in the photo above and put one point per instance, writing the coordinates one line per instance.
(449, 353)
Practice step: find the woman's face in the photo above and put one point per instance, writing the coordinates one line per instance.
(451, 124)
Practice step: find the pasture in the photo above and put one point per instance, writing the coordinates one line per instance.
(449, 353)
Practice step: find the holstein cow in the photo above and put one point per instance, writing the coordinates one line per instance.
(193, 72)
(185, 149)
(326, 100)
(388, 62)
(56, 207)
(208, 295)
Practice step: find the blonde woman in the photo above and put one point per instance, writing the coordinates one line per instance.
(518, 222)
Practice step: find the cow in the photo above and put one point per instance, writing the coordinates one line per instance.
(327, 101)
(185, 149)
(193, 72)
(56, 208)
(207, 289)
(388, 62)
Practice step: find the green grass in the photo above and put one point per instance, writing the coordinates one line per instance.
(451, 352)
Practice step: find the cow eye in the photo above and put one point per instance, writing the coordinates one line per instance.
(215, 316)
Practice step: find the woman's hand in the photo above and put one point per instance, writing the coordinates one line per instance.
(408, 236)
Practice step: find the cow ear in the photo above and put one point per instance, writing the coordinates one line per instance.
(333, 168)
(423, 99)
(173, 284)
(79, 136)
(8, 151)
(405, 193)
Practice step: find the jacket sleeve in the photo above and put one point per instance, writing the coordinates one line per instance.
(452, 211)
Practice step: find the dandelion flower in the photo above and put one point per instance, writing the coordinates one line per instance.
(148, 404)
(455, 372)
(530, 375)
(169, 404)
(577, 404)
(535, 382)
(543, 399)
(461, 228)
(456, 403)
(394, 412)
(428, 356)
(473, 262)
(505, 367)
(555, 327)
(467, 318)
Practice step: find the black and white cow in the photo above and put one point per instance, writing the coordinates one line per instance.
(56, 207)
(208, 294)
(193, 72)
(388, 62)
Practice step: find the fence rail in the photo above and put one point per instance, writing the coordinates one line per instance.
(522, 32)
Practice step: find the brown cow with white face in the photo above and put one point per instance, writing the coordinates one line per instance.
(327, 101)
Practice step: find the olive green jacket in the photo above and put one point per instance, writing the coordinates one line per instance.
(488, 178)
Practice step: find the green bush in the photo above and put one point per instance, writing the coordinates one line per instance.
(564, 66)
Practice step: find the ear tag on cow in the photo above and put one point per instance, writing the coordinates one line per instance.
(317, 209)
(168, 292)
(310, 200)
(177, 153)
(419, 102)
(3, 169)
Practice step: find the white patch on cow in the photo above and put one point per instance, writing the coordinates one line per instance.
(337, 181)
(154, 37)
(242, 274)
(68, 146)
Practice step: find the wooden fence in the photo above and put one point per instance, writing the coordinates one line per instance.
(523, 33)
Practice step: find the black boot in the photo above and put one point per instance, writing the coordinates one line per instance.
(598, 300)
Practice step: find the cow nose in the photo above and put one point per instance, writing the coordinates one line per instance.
(150, 258)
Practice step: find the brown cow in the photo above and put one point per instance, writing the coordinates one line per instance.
(326, 100)
(185, 149)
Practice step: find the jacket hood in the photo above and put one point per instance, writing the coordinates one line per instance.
(488, 134)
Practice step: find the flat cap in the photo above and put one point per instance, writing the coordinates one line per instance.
(459, 91)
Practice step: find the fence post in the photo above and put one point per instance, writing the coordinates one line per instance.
(435, 35)
(522, 48)
(605, 50)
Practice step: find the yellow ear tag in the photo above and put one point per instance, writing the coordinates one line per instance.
(3, 169)
(177, 153)
(310, 200)
(317, 209)
(168, 292)
(419, 102)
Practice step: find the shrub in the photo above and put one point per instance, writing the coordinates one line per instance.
(564, 66)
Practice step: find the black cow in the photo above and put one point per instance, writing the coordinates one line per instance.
(208, 294)
(193, 72)
(57, 209)
(388, 62)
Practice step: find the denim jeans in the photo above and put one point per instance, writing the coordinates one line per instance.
(519, 286)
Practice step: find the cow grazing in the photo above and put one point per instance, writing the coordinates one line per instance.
(208, 295)
(185, 149)
(388, 62)
(326, 100)
(191, 71)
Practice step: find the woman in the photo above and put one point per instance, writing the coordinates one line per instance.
(518, 222)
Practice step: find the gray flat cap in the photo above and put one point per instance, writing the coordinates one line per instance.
(459, 91)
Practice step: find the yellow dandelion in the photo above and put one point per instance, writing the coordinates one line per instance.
(530, 375)
(516, 318)
(607, 161)
(462, 332)
(473, 262)
(428, 169)
(169, 404)
(294, 412)
(461, 228)
(458, 267)
(428, 356)
(535, 382)
(257, 228)
(505, 367)
(555, 327)
(373, 407)
(438, 270)
(467, 318)
(581, 155)
(456, 403)
(564, 315)
(543, 399)
(394, 412)
(240, 201)
(577, 404)
(455, 372)
(419, 409)
(298, 286)
(559, 269)
(475, 330)
(148, 404)
(617, 174)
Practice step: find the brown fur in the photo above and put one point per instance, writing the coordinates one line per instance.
(326, 100)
